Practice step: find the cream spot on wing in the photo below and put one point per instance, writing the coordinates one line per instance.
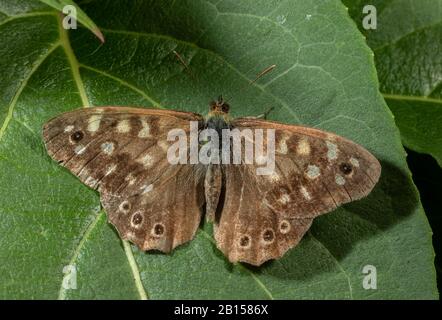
(313, 171)
(145, 130)
(284, 226)
(303, 147)
(94, 122)
(110, 169)
(90, 182)
(274, 177)
(163, 145)
(332, 151)
(69, 128)
(129, 236)
(339, 179)
(305, 193)
(130, 179)
(354, 162)
(146, 160)
(123, 126)
(284, 198)
(282, 147)
(107, 147)
(146, 188)
(79, 149)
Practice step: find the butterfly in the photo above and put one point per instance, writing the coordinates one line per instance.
(123, 153)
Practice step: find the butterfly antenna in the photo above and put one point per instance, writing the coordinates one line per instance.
(259, 76)
(186, 66)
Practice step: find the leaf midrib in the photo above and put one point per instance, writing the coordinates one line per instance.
(411, 98)
(75, 67)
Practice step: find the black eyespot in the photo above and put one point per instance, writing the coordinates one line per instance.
(268, 235)
(77, 136)
(126, 206)
(244, 241)
(158, 229)
(345, 168)
(137, 218)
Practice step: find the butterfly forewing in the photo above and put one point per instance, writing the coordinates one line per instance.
(122, 152)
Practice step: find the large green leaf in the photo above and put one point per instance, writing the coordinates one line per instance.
(325, 78)
(407, 45)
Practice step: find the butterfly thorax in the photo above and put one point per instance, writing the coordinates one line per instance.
(218, 117)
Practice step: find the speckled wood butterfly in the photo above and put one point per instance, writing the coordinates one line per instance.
(123, 153)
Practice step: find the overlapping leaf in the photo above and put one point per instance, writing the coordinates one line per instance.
(407, 45)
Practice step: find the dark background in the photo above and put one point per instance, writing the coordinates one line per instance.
(427, 175)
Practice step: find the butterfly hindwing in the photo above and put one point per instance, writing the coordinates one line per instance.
(314, 172)
(164, 215)
(247, 229)
(122, 152)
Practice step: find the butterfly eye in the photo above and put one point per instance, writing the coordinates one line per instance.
(225, 108)
(345, 168)
(77, 136)
(212, 106)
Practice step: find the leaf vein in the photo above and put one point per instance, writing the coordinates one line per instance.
(17, 94)
(124, 83)
(350, 289)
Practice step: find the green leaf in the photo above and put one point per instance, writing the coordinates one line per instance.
(325, 78)
(81, 16)
(407, 46)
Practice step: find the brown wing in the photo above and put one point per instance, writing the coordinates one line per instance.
(122, 152)
(248, 230)
(314, 172)
(164, 216)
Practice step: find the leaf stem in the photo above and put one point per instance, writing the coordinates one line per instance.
(135, 270)
(75, 66)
